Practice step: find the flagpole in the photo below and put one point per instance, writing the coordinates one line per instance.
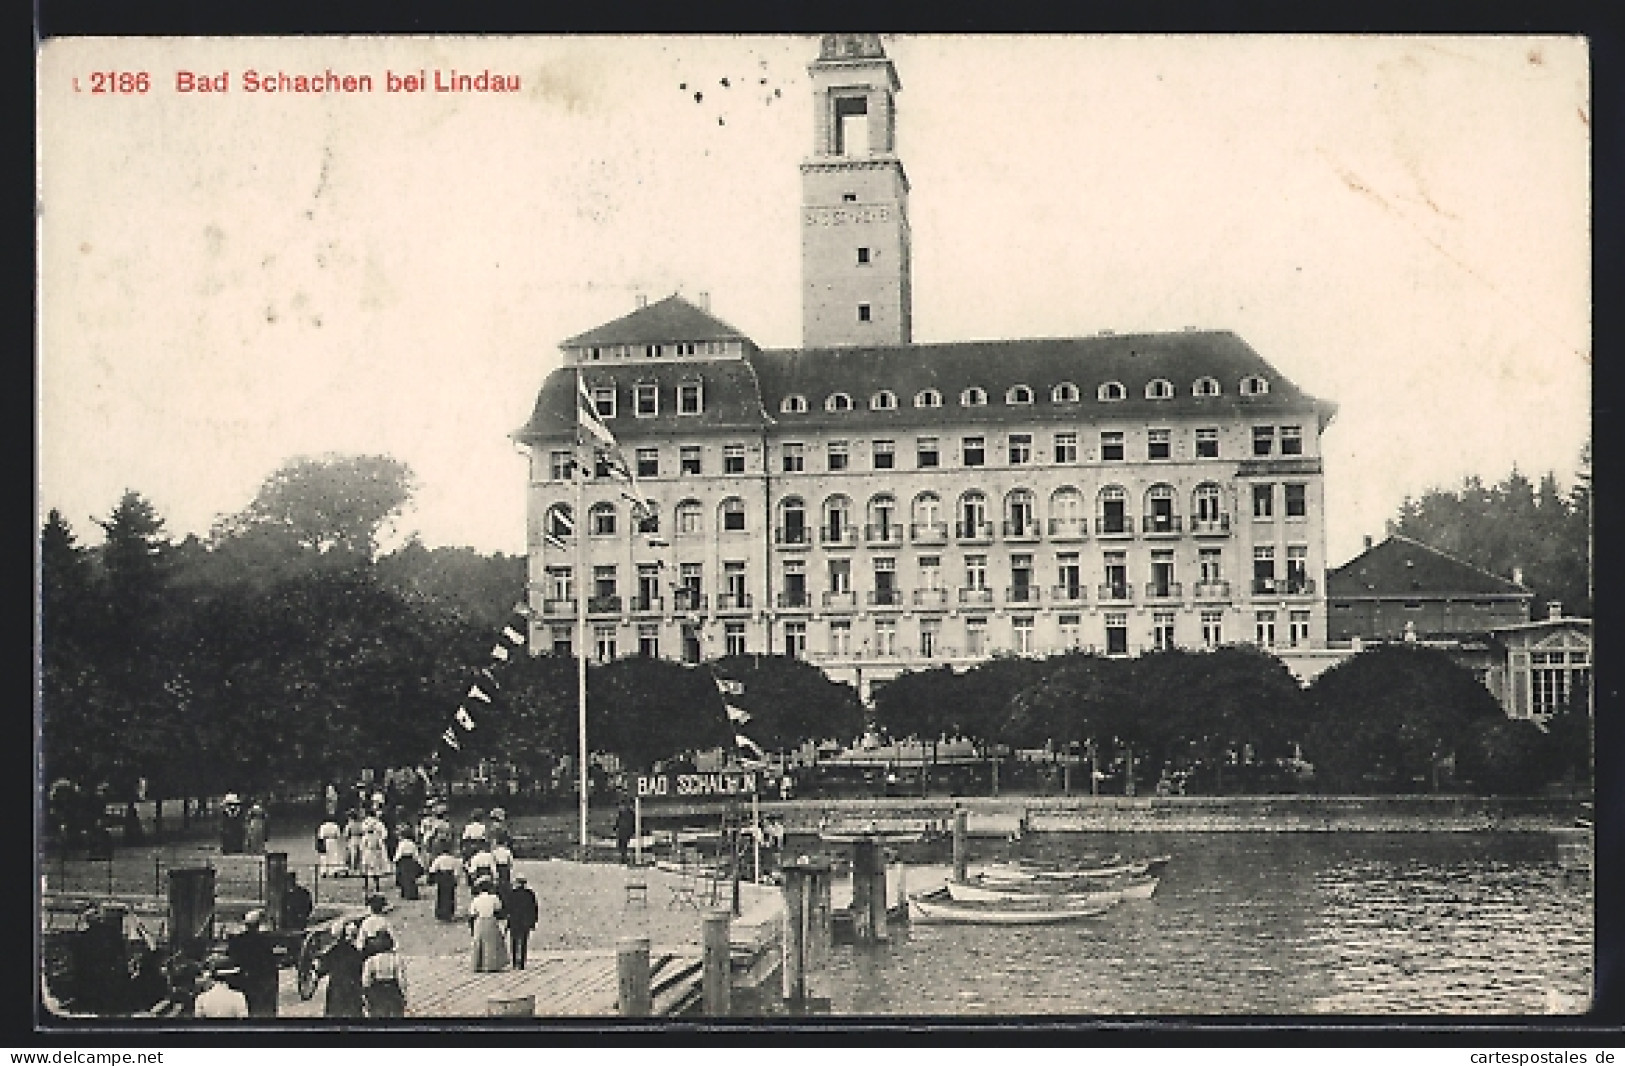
(579, 474)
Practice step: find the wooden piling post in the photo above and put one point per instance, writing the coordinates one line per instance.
(794, 940)
(820, 917)
(632, 972)
(716, 963)
(961, 830)
(868, 890)
(276, 886)
(191, 911)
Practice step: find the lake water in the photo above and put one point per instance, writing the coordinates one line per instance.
(1262, 924)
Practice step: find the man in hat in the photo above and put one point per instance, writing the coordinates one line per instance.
(218, 999)
(254, 955)
(233, 828)
(522, 914)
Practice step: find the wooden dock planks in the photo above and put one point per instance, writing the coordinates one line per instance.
(564, 983)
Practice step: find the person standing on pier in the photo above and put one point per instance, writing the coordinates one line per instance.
(482, 865)
(383, 980)
(489, 953)
(254, 829)
(341, 962)
(502, 863)
(330, 843)
(375, 864)
(473, 834)
(218, 999)
(352, 841)
(443, 871)
(408, 866)
(496, 829)
(297, 904)
(522, 916)
(255, 957)
(232, 829)
(625, 826)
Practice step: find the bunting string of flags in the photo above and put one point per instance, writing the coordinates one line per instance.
(463, 720)
(739, 716)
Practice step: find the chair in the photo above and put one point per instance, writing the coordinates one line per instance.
(637, 888)
(688, 878)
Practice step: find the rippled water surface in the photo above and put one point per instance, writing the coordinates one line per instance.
(1268, 924)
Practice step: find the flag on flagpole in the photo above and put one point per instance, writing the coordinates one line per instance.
(485, 672)
(588, 417)
(464, 719)
(499, 651)
(515, 637)
(608, 452)
(730, 688)
(744, 742)
(737, 715)
(474, 690)
(450, 737)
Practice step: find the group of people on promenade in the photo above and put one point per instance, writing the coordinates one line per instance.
(242, 826)
(366, 977)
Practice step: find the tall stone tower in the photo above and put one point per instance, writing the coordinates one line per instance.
(855, 287)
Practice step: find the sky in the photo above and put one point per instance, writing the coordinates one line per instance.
(229, 280)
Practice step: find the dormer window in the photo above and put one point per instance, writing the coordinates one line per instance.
(603, 398)
(595, 354)
(652, 351)
(794, 404)
(1065, 392)
(884, 400)
(1018, 394)
(928, 398)
(838, 401)
(1110, 392)
(685, 348)
(646, 399)
(1159, 389)
(973, 397)
(690, 398)
(1254, 386)
(1206, 387)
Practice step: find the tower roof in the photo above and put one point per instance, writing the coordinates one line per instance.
(671, 319)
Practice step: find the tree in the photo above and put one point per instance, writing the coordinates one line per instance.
(917, 704)
(479, 588)
(1389, 716)
(645, 710)
(1232, 700)
(791, 701)
(329, 503)
(1506, 756)
(133, 562)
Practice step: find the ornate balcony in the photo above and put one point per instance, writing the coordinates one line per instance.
(1297, 587)
(841, 600)
(1021, 594)
(1163, 590)
(687, 600)
(793, 537)
(1021, 532)
(733, 601)
(1160, 525)
(1067, 594)
(604, 605)
(886, 598)
(1211, 590)
(795, 601)
(974, 532)
(975, 595)
(1211, 527)
(928, 532)
(1110, 528)
(842, 537)
(1068, 528)
(1112, 593)
(887, 534)
(930, 597)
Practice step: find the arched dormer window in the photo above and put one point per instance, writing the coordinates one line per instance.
(794, 404)
(838, 401)
(1159, 389)
(928, 398)
(1110, 392)
(973, 397)
(884, 400)
(1253, 385)
(1206, 387)
(1018, 394)
(1065, 392)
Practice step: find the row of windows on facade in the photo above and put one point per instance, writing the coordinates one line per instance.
(660, 351)
(838, 517)
(688, 592)
(977, 641)
(691, 396)
(1554, 676)
(1019, 451)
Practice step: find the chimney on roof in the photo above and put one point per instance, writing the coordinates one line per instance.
(705, 302)
(643, 301)
(1517, 575)
(1368, 542)
(1554, 610)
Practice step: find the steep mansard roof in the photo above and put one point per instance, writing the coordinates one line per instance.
(749, 392)
(1400, 566)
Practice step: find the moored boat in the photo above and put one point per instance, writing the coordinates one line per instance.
(1022, 873)
(939, 905)
(1130, 888)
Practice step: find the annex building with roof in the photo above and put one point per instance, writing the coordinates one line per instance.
(876, 505)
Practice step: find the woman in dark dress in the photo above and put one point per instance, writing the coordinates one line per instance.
(342, 964)
(443, 871)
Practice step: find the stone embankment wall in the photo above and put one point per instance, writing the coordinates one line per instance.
(1187, 814)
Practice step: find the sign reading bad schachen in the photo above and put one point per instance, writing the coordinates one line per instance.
(697, 786)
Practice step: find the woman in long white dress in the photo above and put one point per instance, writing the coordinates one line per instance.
(332, 838)
(489, 952)
(375, 864)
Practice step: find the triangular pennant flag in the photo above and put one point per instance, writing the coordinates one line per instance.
(515, 637)
(474, 690)
(737, 715)
(464, 719)
(499, 651)
(588, 417)
(523, 611)
(553, 542)
(741, 740)
(451, 738)
(730, 688)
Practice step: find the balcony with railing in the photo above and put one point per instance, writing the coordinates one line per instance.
(1021, 532)
(1297, 586)
(1163, 590)
(603, 605)
(1068, 529)
(793, 537)
(838, 537)
(1021, 594)
(891, 533)
(1115, 593)
(928, 532)
(1073, 594)
(1211, 590)
(1160, 525)
(978, 595)
(559, 608)
(929, 598)
(886, 598)
(1114, 527)
(795, 601)
(687, 600)
(841, 601)
(1211, 527)
(974, 532)
(733, 601)
(647, 604)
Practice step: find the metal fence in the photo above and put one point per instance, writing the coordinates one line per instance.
(146, 873)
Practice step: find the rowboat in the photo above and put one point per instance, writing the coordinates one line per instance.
(1017, 873)
(971, 891)
(938, 905)
(888, 831)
